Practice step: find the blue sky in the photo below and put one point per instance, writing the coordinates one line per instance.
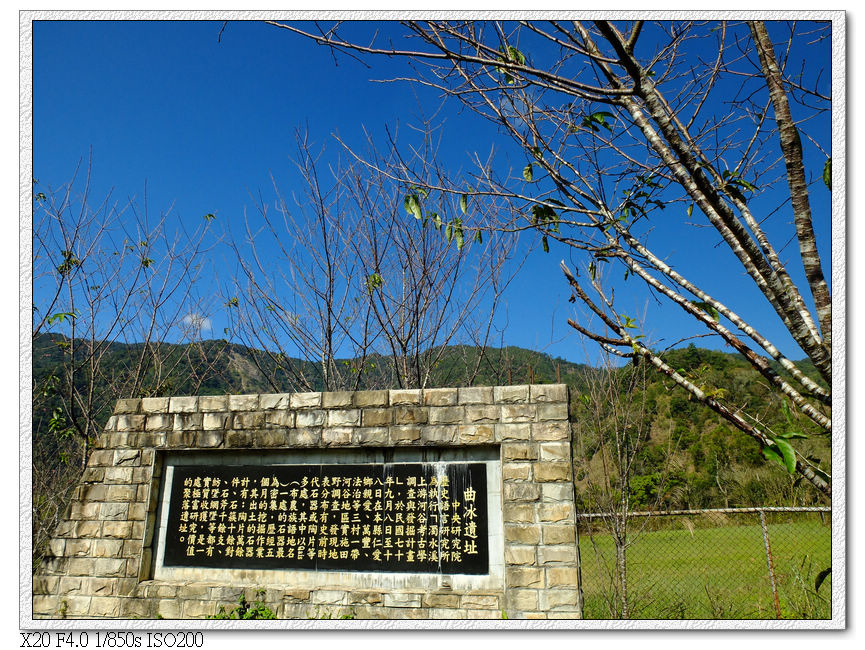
(126, 172)
(205, 122)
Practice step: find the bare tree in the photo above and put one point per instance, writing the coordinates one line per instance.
(611, 430)
(295, 299)
(623, 124)
(357, 284)
(103, 273)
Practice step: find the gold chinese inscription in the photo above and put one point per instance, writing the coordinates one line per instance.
(407, 517)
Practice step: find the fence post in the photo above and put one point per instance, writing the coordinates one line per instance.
(770, 563)
(580, 601)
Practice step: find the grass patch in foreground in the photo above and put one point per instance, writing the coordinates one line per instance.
(712, 573)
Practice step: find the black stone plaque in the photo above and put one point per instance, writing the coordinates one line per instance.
(407, 517)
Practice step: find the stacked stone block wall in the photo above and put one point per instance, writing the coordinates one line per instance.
(100, 561)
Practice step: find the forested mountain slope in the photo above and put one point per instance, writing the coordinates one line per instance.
(687, 457)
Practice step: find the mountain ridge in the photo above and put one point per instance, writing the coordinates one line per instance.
(689, 457)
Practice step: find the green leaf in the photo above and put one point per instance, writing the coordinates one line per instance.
(511, 55)
(464, 200)
(690, 210)
(821, 577)
(209, 217)
(592, 270)
(61, 317)
(732, 181)
(537, 153)
(543, 214)
(741, 182)
(648, 180)
(527, 172)
(787, 452)
(827, 173)
(706, 307)
(449, 232)
(545, 244)
(791, 435)
(769, 453)
(69, 262)
(598, 119)
(374, 281)
(785, 407)
(516, 55)
(412, 205)
(478, 237)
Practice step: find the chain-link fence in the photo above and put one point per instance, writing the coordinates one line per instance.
(742, 563)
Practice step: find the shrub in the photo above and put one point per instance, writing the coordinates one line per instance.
(244, 611)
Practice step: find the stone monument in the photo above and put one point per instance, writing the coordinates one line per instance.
(408, 504)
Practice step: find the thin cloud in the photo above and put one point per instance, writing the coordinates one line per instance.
(196, 323)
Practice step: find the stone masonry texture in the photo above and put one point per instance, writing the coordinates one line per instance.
(99, 563)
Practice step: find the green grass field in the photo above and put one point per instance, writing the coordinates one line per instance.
(713, 572)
